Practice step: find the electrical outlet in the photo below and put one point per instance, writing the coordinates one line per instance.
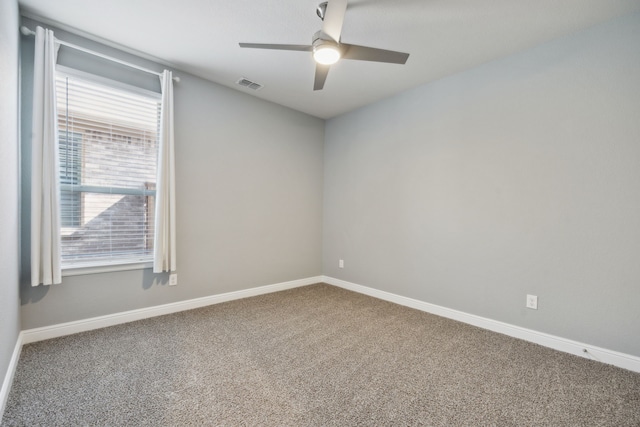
(341, 263)
(173, 279)
(532, 302)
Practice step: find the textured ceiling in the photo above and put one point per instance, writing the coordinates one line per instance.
(443, 37)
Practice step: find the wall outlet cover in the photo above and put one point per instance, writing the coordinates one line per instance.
(173, 279)
(532, 302)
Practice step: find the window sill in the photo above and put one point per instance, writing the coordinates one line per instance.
(105, 268)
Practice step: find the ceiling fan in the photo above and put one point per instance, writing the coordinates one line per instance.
(326, 45)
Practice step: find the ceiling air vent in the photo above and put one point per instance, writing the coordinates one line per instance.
(249, 84)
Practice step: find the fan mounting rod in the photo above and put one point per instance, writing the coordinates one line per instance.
(321, 10)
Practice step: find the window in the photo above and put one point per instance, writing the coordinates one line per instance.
(108, 146)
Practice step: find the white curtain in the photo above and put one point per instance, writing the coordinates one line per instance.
(164, 257)
(45, 189)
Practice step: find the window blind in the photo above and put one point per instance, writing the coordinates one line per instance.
(108, 146)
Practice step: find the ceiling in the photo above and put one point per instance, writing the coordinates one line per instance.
(443, 37)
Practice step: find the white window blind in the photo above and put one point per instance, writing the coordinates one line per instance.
(108, 144)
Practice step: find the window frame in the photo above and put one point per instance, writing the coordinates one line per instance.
(104, 266)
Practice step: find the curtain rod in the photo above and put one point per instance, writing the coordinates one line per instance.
(28, 32)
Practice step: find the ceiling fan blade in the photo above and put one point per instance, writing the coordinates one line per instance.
(321, 76)
(363, 53)
(298, 47)
(333, 18)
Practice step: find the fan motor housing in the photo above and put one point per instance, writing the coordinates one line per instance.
(321, 38)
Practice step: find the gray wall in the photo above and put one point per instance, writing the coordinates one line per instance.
(520, 176)
(9, 160)
(249, 202)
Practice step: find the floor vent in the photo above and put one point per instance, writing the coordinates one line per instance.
(249, 84)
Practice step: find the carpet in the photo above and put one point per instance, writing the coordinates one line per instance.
(312, 356)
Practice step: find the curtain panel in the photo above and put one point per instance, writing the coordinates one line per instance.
(164, 256)
(45, 189)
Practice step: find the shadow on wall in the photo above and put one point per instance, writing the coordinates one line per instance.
(150, 279)
(33, 294)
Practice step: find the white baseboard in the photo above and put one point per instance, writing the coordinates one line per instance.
(603, 355)
(599, 354)
(62, 329)
(8, 378)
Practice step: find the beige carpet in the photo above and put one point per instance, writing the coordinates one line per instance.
(312, 356)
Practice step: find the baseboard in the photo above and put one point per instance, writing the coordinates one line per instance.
(599, 354)
(62, 329)
(8, 378)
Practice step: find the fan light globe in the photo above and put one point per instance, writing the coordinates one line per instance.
(326, 54)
